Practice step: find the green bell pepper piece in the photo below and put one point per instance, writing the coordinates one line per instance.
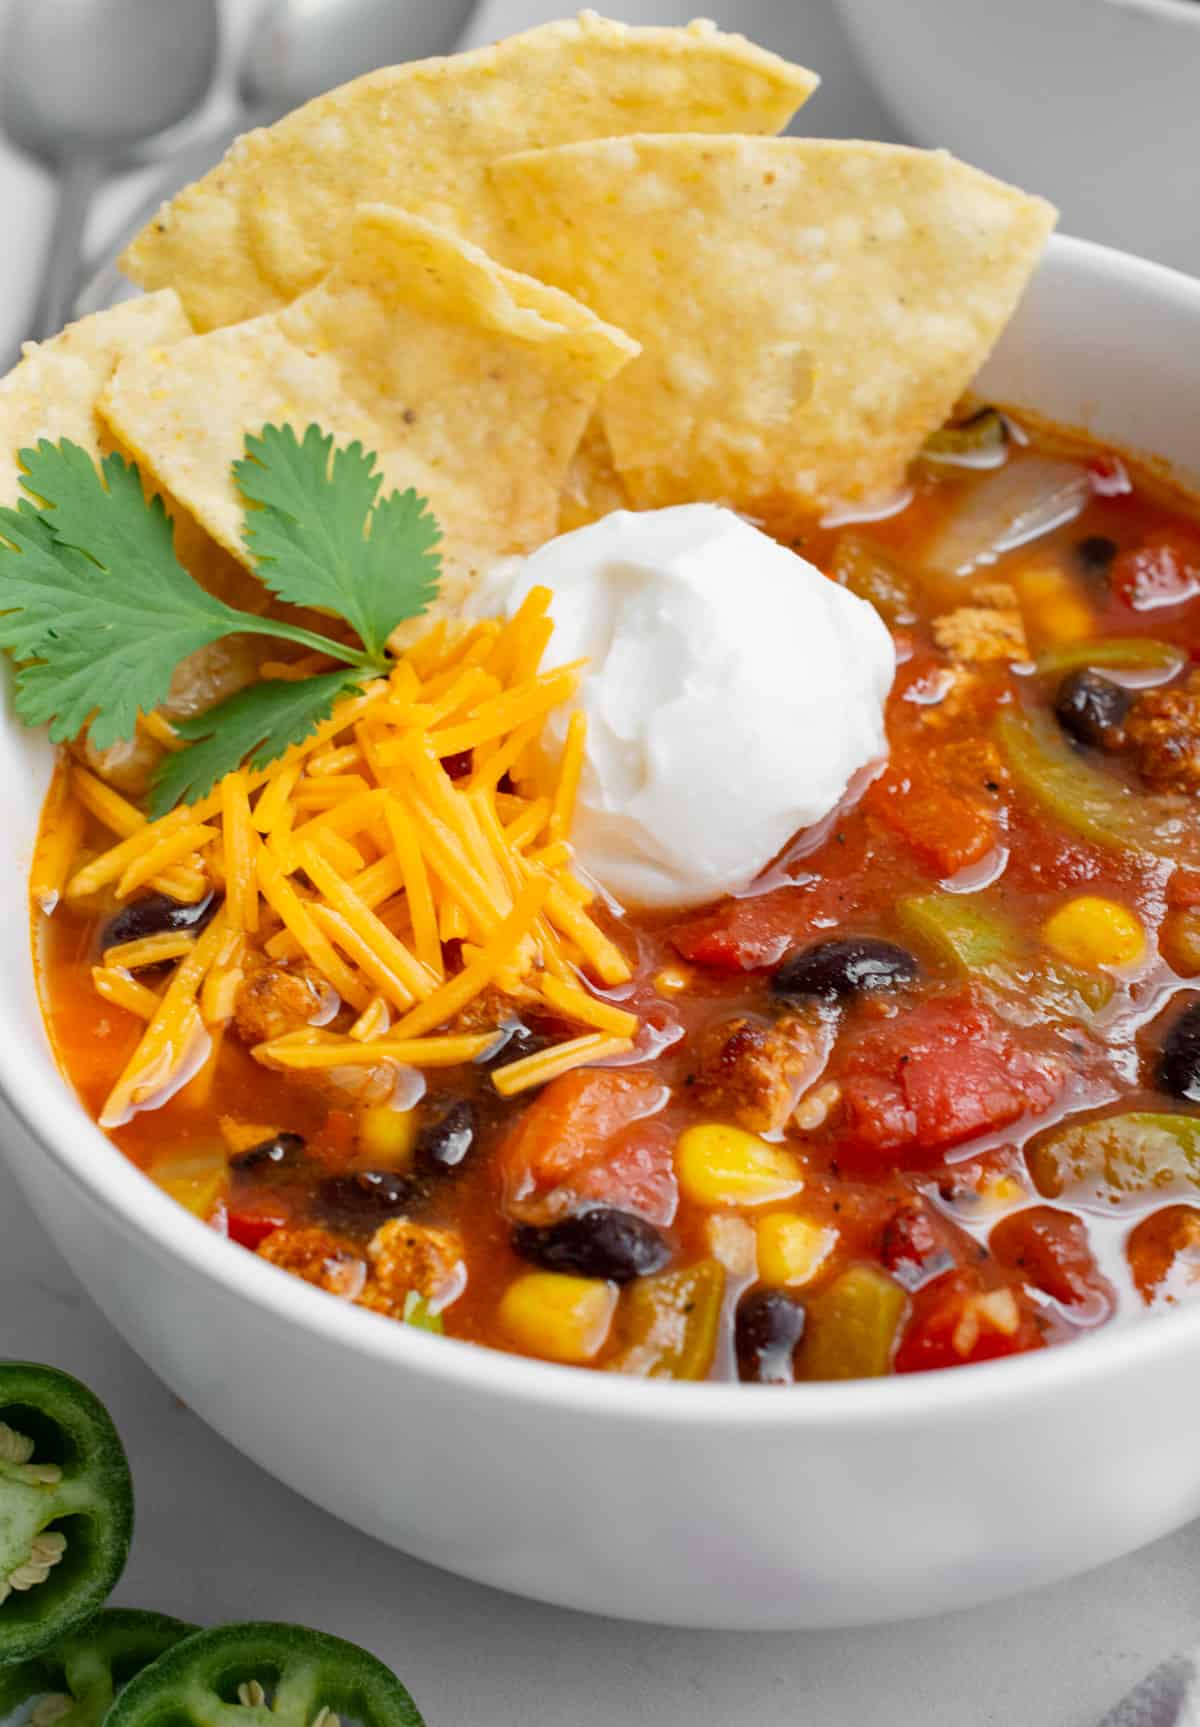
(1091, 803)
(851, 1326)
(981, 942)
(66, 1508)
(1137, 652)
(215, 1678)
(87, 1669)
(871, 573)
(671, 1323)
(1096, 1163)
(982, 434)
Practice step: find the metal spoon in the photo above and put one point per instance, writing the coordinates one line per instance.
(296, 50)
(81, 81)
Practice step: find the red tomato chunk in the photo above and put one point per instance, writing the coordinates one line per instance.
(935, 1075)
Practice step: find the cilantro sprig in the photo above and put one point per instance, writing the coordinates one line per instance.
(98, 612)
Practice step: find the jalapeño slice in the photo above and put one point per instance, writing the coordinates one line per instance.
(264, 1675)
(66, 1507)
(78, 1677)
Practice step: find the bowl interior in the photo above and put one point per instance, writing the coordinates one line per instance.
(1102, 342)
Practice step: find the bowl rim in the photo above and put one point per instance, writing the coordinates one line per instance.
(1184, 12)
(53, 1117)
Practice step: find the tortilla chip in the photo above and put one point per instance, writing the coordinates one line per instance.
(470, 382)
(593, 487)
(53, 389)
(270, 220)
(808, 310)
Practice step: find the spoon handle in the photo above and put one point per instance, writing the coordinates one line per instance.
(60, 270)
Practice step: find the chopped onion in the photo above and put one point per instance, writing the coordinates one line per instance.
(1016, 504)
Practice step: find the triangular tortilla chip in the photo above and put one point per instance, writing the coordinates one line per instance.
(269, 221)
(808, 311)
(53, 389)
(470, 382)
(53, 393)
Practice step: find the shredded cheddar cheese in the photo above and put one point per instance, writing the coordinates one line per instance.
(548, 1064)
(402, 853)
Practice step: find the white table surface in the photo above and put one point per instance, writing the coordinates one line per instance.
(217, 1538)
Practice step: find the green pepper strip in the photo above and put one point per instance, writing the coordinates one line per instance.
(1090, 803)
(1095, 1163)
(983, 432)
(1137, 652)
(981, 942)
(90, 1666)
(66, 1508)
(875, 576)
(851, 1326)
(671, 1323)
(303, 1673)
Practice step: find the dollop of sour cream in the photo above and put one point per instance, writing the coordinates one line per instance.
(731, 693)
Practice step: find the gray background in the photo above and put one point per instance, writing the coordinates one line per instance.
(219, 1539)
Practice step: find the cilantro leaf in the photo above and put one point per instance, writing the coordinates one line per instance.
(98, 612)
(88, 636)
(323, 537)
(94, 601)
(260, 722)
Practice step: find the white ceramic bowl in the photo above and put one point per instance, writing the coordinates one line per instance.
(1091, 102)
(740, 1506)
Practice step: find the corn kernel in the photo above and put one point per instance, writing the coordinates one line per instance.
(791, 1249)
(719, 1165)
(1001, 1193)
(1091, 932)
(672, 979)
(1055, 610)
(558, 1317)
(387, 1137)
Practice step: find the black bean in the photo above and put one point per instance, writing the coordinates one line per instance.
(444, 1143)
(284, 1151)
(1179, 1063)
(1095, 553)
(514, 1041)
(369, 1193)
(1092, 709)
(768, 1327)
(854, 966)
(156, 913)
(597, 1243)
(458, 765)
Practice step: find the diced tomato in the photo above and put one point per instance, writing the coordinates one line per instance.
(1163, 571)
(746, 934)
(1183, 889)
(1041, 857)
(1109, 476)
(935, 1075)
(956, 1320)
(914, 1246)
(947, 832)
(1164, 1254)
(1050, 1249)
(250, 1229)
(590, 1135)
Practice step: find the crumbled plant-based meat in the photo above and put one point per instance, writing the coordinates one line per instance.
(982, 633)
(318, 1256)
(277, 999)
(751, 1072)
(1163, 728)
(409, 1257)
